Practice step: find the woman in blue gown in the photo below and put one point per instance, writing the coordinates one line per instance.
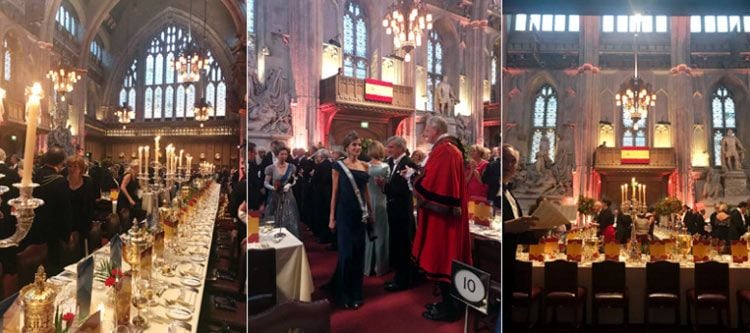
(346, 218)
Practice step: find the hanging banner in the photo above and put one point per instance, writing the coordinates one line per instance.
(378, 91)
(634, 155)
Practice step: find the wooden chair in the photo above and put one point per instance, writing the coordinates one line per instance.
(561, 290)
(261, 280)
(307, 317)
(662, 289)
(711, 291)
(608, 289)
(525, 294)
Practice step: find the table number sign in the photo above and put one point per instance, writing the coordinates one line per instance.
(739, 251)
(700, 251)
(575, 249)
(658, 250)
(550, 246)
(536, 252)
(115, 253)
(612, 251)
(84, 281)
(253, 225)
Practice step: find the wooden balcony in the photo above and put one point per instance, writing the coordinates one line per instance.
(659, 158)
(348, 93)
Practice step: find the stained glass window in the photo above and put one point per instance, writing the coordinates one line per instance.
(434, 67)
(165, 96)
(633, 136)
(7, 59)
(127, 92)
(721, 23)
(66, 21)
(355, 41)
(544, 122)
(96, 50)
(251, 16)
(723, 118)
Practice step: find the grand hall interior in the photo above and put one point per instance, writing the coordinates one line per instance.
(121, 145)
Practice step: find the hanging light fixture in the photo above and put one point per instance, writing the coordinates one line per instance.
(190, 60)
(407, 21)
(63, 78)
(636, 96)
(203, 110)
(123, 113)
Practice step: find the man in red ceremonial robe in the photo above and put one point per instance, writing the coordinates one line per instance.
(443, 228)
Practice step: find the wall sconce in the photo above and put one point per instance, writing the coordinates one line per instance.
(217, 156)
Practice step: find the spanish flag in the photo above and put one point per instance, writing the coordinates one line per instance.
(634, 155)
(378, 91)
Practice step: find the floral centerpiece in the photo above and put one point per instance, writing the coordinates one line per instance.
(586, 207)
(63, 321)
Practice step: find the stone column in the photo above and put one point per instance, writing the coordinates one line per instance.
(587, 119)
(681, 106)
(306, 47)
(475, 65)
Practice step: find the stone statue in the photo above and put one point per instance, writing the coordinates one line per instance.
(543, 160)
(444, 97)
(463, 130)
(269, 104)
(712, 188)
(732, 152)
(61, 135)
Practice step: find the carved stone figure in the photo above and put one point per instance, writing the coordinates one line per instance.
(269, 104)
(463, 131)
(712, 188)
(444, 97)
(732, 152)
(543, 160)
(61, 135)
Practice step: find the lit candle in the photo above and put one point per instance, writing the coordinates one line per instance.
(156, 149)
(32, 120)
(145, 159)
(643, 193)
(140, 159)
(179, 162)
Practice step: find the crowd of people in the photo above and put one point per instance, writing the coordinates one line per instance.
(362, 202)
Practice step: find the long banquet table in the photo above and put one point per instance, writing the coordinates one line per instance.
(635, 279)
(156, 316)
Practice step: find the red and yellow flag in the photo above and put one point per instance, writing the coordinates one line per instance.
(378, 91)
(634, 155)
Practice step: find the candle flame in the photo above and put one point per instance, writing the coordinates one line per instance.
(36, 89)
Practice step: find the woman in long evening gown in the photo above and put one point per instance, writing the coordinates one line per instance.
(282, 206)
(376, 252)
(346, 218)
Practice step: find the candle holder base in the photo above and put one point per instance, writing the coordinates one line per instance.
(23, 206)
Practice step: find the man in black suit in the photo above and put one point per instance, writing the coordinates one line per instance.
(320, 196)
(605, 219)
(270, 157)
(255, 197)
(491, 178)
(53, 220)
(737, 225)
(623, 226)
(7, 221)
(400, 215)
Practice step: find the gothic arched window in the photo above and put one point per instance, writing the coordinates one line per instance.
(434, 67)
(165, 96)
(544, 122)
(633, 136)
(355, 41)
(722, 118)
(66, 21)
(251, 16)
(7, 59)
(127, 93)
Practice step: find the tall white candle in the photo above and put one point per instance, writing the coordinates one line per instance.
(156, 149)
(32, 120)
(140, 159)
(145, 160)
(179, 162)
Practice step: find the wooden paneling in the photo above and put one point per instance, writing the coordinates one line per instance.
(661, 158)
(226, 147)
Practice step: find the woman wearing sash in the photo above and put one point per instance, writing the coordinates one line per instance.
(347, 206)
(282, 207)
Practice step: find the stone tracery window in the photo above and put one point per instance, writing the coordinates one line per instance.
(355, 41)
(722, 118)
(632, 137)
(165, 97)
(7, 59)
(544, 122)
(434, 67)
(66, 21)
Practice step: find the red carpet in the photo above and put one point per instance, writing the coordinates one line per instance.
(383, 311)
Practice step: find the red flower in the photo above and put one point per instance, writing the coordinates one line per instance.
(68, 318)
(110, 281)
(116, 273)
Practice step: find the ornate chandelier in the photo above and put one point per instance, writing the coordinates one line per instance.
(63, 78)
(203, 110)
(407, 21)
(123, 113)
(636, 96)
(191, 60)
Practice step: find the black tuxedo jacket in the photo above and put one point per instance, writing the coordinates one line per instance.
(736, 226)
(321, 179)
(397, 187)
(491, 178)
(624, 228)
(605, 218)
(53, 220)
(255, 179)
(266, 161)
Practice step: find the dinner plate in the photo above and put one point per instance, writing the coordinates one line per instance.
(188, 269)
(198, 258)
(171, 295)
(178, 312)
(191, 282)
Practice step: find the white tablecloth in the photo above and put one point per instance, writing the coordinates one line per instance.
(635, 279)
(293, 277)
(485, 232)
(99, 300)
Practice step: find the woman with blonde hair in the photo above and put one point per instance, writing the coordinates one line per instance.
(128, 198)
(82, 197)
(474, 170)
(376, 251)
